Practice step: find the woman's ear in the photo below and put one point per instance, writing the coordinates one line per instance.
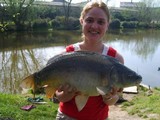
(81, 21)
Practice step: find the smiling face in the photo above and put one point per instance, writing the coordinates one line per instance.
(94, 24)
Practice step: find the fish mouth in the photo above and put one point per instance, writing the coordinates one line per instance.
(138, 79)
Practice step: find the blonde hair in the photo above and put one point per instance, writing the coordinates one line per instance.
(92, 4)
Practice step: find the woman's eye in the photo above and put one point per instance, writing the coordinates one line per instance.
(101, 22)
(89, 20)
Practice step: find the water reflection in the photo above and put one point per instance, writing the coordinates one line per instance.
(36, 39)
(141, 50)
(139, 42)
(24, 53)
(14, 65)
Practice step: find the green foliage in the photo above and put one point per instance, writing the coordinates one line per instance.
(17, 12)
(74, 23)
(145, 11)
(157, 88)
(26, 17)
(44, 12)
(59, 23)
(118, 15)
(41, 23)
(2, 28)
(10, 26)
(130, 15)
(143, 105)
(131, 24)
(157, 25)
(143, 25)
(11, 104)
(115, 24)
(125, 15)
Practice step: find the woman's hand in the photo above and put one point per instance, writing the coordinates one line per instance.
(112, 97)
(65, 92)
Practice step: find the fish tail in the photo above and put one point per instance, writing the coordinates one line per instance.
(28, 82)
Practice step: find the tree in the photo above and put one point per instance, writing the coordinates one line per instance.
(107, 1)
(2, 12)
(18, 11)
(67, 10)
(145, 10)
(156, 18)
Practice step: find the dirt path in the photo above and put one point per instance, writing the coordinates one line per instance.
(116, 113)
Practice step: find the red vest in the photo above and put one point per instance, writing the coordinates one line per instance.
(95, 108)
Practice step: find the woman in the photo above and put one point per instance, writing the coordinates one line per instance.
(95, 21)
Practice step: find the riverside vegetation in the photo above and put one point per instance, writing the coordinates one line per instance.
(144, 104)
(10, 108)
(15, 17)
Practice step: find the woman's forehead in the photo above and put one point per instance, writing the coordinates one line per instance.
(96, 12)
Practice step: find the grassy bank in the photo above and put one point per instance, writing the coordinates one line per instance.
(146, 104)
(10, 108)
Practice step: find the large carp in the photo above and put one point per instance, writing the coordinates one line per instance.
(91, 73)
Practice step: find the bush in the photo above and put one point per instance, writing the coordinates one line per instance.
(59, 23)
(118, 15)
(10, 26)
(2, 28)
(131, 24)
(115, 24)
(40, 23)
(157, 25)
(74, 23)
(143, 25)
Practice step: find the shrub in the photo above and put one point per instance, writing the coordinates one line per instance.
(157, 25)
(143, 25)
(10, 26)
(40, 23)
(131, 24)
(115, 24)
(74, 23)
(59, 23)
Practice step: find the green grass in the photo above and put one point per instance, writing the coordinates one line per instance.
(10, 108)
(142, 105)
(145, 105)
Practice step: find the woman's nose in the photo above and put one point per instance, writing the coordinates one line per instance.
(94, 25)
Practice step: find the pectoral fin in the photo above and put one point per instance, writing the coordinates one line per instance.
(49, 91)
(28, 82)
(81, 101)
(103, 90)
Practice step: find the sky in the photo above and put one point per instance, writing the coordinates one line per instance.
(114, 3)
